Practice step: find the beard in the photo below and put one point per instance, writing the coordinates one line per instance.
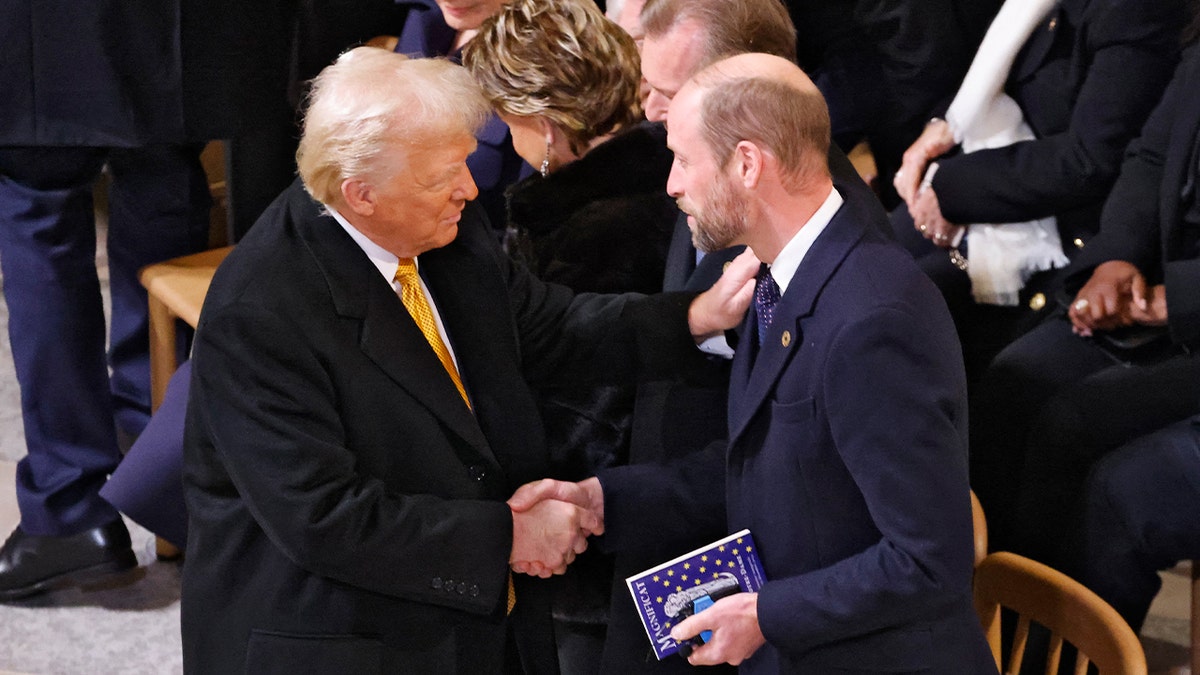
(721, 220)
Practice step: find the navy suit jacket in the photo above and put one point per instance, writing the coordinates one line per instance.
(847, 459)
(347, 510)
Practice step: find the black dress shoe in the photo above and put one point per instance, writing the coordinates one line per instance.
(31, 564)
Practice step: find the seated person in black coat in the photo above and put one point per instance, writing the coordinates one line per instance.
(1121, 361)
(1032, 143)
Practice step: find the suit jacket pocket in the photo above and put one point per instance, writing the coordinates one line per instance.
(288, 653)
(793, 412)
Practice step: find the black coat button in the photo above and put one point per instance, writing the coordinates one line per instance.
(474, 591)
(477, 471)
(436, 583)
(462, 587)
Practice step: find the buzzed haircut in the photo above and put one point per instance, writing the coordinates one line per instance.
(790, 123)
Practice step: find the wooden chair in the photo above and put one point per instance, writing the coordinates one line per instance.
(1070, 611)
(980, 529)
(176, 289)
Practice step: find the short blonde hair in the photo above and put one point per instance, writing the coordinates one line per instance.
(561, 59)
(369, 105)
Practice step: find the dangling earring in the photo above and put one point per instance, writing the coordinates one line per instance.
(545, 168)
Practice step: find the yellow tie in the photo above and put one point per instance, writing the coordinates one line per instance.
(512, 594)
(414, 301)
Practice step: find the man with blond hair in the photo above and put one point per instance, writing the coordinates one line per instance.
(359, 409)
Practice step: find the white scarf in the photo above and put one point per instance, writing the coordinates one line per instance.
(1002, 256)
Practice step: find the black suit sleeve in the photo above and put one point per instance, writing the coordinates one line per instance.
(1130, 225)
(1133, 53)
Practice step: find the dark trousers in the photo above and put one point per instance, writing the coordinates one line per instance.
(158, 208)
(1140, 516)
(1051, 404)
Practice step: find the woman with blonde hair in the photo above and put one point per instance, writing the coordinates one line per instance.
(565, 79)
(595, 217)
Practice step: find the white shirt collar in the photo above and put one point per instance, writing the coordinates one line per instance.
(789, 259)
(384, 261)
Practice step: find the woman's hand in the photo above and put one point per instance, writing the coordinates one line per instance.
(935, 141)
(927, 218)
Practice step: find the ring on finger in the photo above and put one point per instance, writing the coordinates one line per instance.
(923, 228)
(1080, 305)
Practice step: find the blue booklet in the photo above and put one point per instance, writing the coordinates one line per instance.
(669, 593)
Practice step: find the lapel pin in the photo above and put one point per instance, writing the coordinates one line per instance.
(786, 339)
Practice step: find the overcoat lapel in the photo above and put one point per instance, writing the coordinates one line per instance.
(389, 336)
(754, 376)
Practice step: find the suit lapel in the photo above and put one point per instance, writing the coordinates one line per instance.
(754, 375)
(389, 336)
(681, 256)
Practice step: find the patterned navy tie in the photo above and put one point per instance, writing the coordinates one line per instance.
(766, 294)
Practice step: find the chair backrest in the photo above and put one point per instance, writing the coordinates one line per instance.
(980, 528)
(1070, 611)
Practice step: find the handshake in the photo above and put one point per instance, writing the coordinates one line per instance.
(551, 523)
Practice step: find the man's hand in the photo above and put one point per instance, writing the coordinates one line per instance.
(935, 141)
(724, 305)
(736, 635)
(548, 535)
(586, 493)
(1149, 303)
(927, 218)
(1106, 300)
(586, 496)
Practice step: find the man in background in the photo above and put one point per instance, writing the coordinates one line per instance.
(136, 87)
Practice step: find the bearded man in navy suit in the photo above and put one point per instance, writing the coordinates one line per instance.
(847, 407)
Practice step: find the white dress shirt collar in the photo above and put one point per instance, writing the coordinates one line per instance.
(384, 261)
(789, 259)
